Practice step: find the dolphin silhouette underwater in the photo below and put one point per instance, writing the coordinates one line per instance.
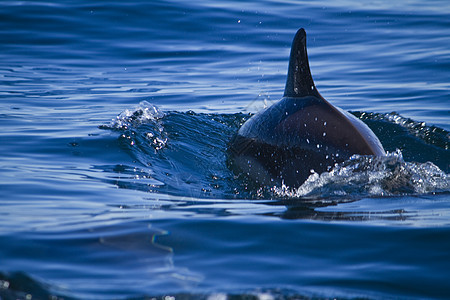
(300, 134)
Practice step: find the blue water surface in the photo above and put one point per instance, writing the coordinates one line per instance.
(115, 120)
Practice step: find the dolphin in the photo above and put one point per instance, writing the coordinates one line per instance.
(300, 134)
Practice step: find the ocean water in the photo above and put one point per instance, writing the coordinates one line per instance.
(115, 120)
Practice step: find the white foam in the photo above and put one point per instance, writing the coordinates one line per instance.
(372, 176)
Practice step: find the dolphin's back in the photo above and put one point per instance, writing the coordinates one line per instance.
(299, 134)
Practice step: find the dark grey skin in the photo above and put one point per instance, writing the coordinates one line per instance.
(300, 134)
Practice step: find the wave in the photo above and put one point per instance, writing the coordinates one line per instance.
(186, 152)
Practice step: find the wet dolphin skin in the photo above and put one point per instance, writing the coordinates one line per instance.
(300, 134)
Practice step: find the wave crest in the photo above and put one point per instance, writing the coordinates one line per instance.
(145, 114)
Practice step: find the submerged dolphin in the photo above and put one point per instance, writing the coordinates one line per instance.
(300, 134)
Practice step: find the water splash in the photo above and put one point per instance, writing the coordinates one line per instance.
(145, 114)
(371, 176)
(142, 114)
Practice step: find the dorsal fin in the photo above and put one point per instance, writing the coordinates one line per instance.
(299, 81)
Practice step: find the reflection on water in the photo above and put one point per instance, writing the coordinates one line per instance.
(394, 210)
